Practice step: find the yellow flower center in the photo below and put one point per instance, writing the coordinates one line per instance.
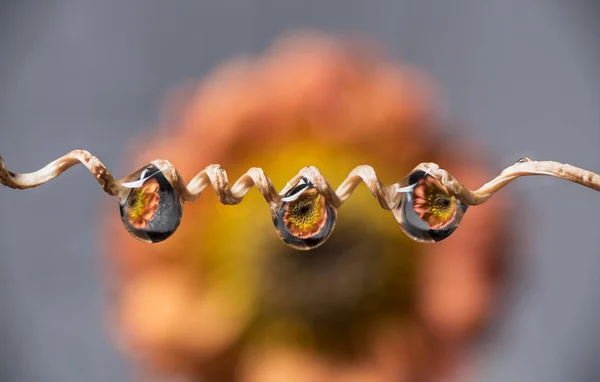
(305, 216)
(440, 204)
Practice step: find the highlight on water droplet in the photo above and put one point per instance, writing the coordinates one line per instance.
(151, 210)
(305, 219)
(427, 212)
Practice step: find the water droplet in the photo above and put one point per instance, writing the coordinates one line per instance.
(427, 211)
(305, 220)
(152, 209)
(523, 160)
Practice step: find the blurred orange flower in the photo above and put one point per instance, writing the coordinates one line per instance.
(225, 299)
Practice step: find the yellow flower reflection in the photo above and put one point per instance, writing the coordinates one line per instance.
(143, 203)
(433, 203)
(306, 216)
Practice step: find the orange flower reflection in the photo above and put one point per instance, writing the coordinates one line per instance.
(225, 299)
(306, 216)
(143, 204)
(433, 204)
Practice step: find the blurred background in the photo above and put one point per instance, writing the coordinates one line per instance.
(521, 77)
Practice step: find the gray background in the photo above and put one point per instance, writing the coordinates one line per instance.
(523, 76)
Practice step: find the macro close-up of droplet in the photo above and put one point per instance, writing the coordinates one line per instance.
(305, 219)
(151, 210)
(427, 212)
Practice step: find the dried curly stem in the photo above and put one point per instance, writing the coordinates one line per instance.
(216, 176)
(57, 167)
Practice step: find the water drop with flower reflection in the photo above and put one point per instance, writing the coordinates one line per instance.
(151, 210)
(427, 212)
(305, 219)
